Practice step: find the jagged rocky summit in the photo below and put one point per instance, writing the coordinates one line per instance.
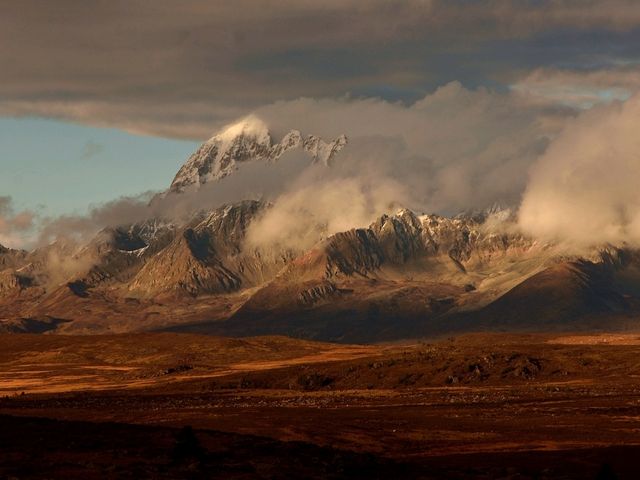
(247, 141)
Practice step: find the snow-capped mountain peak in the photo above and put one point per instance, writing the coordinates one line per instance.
(246, 141)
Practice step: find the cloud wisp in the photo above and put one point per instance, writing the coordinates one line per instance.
(15, 226)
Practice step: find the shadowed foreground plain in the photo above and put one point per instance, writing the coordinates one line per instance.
(188, 406)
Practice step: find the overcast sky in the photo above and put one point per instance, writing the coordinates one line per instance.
(183, 68)
(129, 87)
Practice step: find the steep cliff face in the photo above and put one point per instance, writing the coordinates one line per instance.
(12, 282)
(10, 261)
(10, 258)
(402, 242)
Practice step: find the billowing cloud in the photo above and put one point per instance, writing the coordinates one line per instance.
(453, 150)
(584, 189)
(302, 216)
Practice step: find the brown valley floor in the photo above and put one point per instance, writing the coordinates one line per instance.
(189, 406)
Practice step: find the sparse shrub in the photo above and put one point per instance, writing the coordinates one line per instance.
(177, 369)
(409, 379)
(314, 381)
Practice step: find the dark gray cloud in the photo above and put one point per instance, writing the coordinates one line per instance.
(185, 68)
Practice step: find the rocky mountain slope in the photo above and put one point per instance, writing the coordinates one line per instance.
(208, 257)
(404, 275)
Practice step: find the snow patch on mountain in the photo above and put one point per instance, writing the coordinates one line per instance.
(321, 151)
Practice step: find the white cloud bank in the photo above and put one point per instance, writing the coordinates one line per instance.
(454, 150)
(586, 188)
(575, 176)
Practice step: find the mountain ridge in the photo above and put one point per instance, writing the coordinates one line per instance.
(404, 275)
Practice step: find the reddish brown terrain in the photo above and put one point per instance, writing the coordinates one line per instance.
(189, 406)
